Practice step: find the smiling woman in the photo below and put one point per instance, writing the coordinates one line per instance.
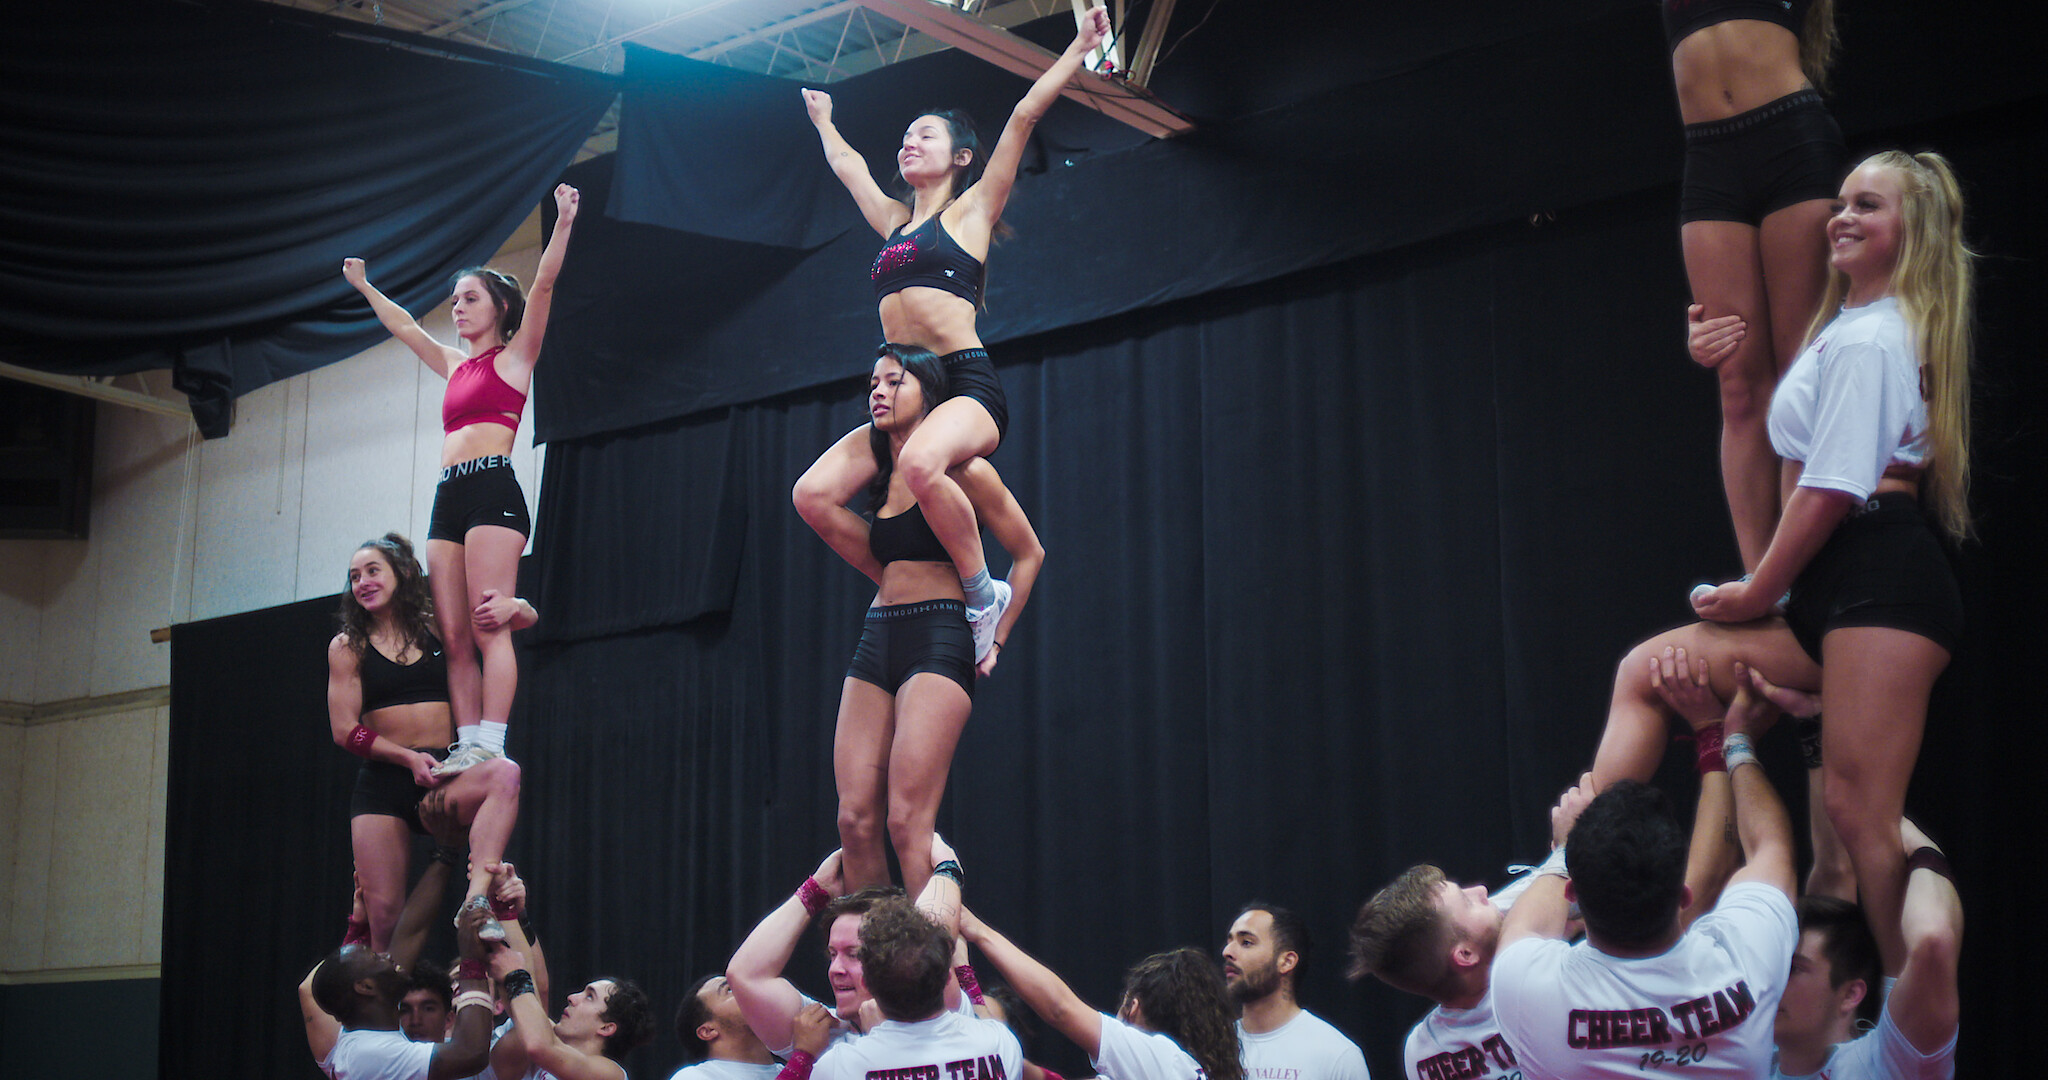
(387, 703)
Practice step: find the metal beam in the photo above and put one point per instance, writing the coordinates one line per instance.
(772, 29)
(475, 17)
(618, 39)
(1149, 39)
(1021, 57)
(87, 387)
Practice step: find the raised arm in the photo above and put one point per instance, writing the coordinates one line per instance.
(531, 1027)
(1686, 685)
(1545, 908)
(321, 1029)
(991, 193)
(345, 717)
(1048, 995)
(1925, 1003)
(441, 358)
(519, 356)
(765, 998)
(422, 906)
(996, 508)
(1760, 819)
(469, 1049)
(884, 214)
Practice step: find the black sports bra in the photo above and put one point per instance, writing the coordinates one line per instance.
(905, 537)
(387, 683)
(1683, 17)
(928, 256)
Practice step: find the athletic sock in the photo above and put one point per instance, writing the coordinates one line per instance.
(465, 735)
(492, 735)
(981, 592)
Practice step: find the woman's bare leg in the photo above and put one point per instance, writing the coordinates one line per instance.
(958, 431)
(486, 798)
(1724, 265)
(860, 764)
(383, 847)
(447, 576)
(1794, 249)
(491, 554)
(1874, 703)
(1633, 743)
(931, 711)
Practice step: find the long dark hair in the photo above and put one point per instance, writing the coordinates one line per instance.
(505, 292)
(1182, 996)
(930, 373)
(412, 603)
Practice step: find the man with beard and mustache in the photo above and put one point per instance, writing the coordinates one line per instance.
(1280, 1040)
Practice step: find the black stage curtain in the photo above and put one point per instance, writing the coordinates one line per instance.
(184, 180)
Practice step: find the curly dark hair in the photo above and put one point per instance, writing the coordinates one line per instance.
(504, 291)
(905, 959)
(629, 1007)
(1182, 996)
(930, 373)
(412, 603)
(1626, 857)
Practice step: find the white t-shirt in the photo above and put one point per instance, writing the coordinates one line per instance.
(1705, 1007)
(839, 1034)
(1307, 1047)
(1850, 404)
(378, 1055)
(1453, 1044)
(1883, 1054)
(1129, 1054)
(717, 1069)
(949, 1046)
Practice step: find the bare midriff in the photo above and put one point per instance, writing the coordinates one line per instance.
(916, 582)
(1733, 67)
(475, 441)
(929, 319)
(421, 725)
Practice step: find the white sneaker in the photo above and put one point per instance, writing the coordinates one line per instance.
(982, 621)
(463, 757)
(492, 929)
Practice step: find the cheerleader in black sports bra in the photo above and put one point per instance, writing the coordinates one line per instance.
(387, 703)
(928, 285)
(1762, 161)
(910, 687)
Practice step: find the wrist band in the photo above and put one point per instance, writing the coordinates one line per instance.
(798, 1067)
(812, 896)
(1709, 740)
(1930, 858)
(359, 741)
(358, 932)
(951, 868)
(472, 969)
(969, 985)
(471, 997)
(451, 857)
(517, 983)
(1809, 740)
(1738, 750)
(503, 911)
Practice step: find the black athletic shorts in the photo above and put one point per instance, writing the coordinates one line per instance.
(972, 374)
(388, 790)
(899, 641)
(1883, 566)
(480, 491)
(1751, 164)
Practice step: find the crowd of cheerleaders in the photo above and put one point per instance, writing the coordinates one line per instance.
(1855, 381)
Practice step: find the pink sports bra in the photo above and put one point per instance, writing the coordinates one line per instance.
(477, 394)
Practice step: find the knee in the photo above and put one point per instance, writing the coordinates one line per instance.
(859, 827)
(921, 468)
(910, 832)
(1745, 390)
(383, 906)
(501, 778)
(1849, 810)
